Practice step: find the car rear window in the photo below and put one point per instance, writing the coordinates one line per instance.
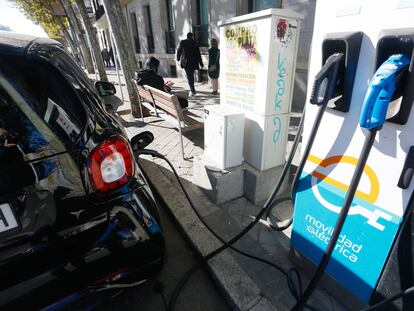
(48, 95)
(41, 119)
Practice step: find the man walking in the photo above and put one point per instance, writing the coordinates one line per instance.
(106, 57)
(188, 54)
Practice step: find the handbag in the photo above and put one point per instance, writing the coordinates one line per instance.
(214, 67)
(183, 62)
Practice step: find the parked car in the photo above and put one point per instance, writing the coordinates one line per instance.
(77, 217)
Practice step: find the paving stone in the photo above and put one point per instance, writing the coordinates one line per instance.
(241, 289)
(321, 300)
(268, 236)
(263, 305)
(272, 249)
(241, 206)
(285, 300)
(222, 224)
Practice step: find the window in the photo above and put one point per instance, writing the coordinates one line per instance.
(259, 5)
(40, 116)
(24, 137)
(170, 15)
(134, 27)
(105, 43)
(201, 29)
(148, 28)
(170, 33)
(50, 104)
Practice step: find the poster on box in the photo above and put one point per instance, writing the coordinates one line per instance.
(241, 65)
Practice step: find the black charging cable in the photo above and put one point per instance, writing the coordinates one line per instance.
(323, 90)
(296, 289)
(292, 275)
(369, 142)
(282, 225)
(405, 292)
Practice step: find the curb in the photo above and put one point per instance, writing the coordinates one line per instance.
(240, 290)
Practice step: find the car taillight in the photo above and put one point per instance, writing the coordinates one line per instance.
(111, 164)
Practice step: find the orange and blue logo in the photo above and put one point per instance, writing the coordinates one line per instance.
(369, 229)
(371, 214)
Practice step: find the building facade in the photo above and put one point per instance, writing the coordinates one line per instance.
(157, 26)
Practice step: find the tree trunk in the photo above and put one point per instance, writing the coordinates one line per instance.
(117, 23)
(66, 35)
(91, 31)
(87, 57)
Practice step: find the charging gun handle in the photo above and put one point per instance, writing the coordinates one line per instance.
(323, 85)
(380, 91)
(326, 80)
(375, 106)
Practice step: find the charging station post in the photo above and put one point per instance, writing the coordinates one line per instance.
(356, 270)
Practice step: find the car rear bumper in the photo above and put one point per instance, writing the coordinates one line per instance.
(123, 245)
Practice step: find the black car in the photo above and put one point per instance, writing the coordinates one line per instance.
(77, 217)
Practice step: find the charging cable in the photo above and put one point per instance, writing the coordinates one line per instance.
(295, 289)
(323, 91)
(380, 91)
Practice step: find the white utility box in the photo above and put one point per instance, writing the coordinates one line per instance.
(223, 136)
(258, 61)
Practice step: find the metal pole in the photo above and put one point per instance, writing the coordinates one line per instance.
(116, 63)
(95, 66)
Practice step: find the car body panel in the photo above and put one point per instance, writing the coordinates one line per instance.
(70, 239)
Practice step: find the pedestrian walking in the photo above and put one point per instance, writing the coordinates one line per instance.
(111, 56)
(188, 54)
(214, 65)
(106, 57)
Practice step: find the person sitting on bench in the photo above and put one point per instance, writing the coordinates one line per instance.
(149, 76)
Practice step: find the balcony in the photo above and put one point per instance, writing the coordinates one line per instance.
(170, 42)
(150, 40)
(99, 12)
(201, 34)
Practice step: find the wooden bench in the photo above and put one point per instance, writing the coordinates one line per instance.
(170, 105)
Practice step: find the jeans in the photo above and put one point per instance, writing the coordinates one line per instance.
(190, 78)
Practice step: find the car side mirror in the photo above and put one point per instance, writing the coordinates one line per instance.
(141, 140)
(105, 88)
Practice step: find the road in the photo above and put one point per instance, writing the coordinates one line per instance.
(199, 293)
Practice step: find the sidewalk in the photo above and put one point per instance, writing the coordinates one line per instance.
(248, 284)
(203, 90)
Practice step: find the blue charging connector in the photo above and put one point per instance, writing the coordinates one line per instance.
(380, 91)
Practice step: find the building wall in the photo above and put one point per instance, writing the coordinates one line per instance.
(219, 11)
(307, 8)
(185, 16)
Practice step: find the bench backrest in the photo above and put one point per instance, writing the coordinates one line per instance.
(165, 101)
